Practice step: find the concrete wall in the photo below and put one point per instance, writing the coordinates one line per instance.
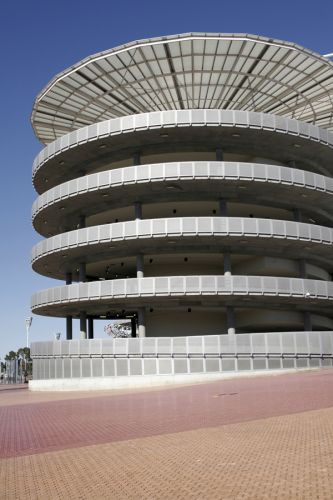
(170, 356)
(181, 322)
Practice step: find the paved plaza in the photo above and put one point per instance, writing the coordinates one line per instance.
(269, 437)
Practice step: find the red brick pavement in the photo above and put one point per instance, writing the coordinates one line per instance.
(13, 387)
(40, 427)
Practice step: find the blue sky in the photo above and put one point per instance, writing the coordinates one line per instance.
(38, 39)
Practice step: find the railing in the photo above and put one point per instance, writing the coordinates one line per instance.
(251, 286)
(181, 355)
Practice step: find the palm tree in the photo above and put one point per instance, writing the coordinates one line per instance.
(24, 354)
(11, 355)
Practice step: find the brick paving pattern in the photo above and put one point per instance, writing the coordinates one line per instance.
(268, 437)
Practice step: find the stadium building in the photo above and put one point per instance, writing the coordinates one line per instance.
(186, 185)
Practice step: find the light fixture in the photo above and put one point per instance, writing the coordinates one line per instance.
(296, 145)
(164, 135)
(235, 135)
(61, 162)
(102, 146)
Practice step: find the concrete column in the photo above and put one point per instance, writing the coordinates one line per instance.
(223, 208)
(307, 322)
(69, 328)
(219, 154)
(141, 322)
(138, 210)
(82, 272)
(302, 268)
(83, 325)
(226, 264)
(231, 324)
(226, 257)
(139, 266)
(82, 221)
(90, 327)
(137, 158)
(133, 326)
(297, 215)
(68, 278)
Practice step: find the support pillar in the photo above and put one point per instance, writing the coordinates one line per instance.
(83, 325)
(302, 268)
(90, 327)
(138, 210)
(69, 328)
(307, 322)
(223, 208)
(82, 221)
(301, 262)
(133, 326)
(226, 257)
(137, 158)
(219, 154)
(227, 264)
(69, 319)
(231, 324)
(82, 272)
(297, 215)
(141, 323)
(139, 266)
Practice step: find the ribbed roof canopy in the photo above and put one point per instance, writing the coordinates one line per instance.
(189, 71)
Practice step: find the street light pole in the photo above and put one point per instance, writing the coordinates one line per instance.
(28, 322)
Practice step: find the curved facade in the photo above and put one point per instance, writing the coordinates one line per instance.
(189, 193)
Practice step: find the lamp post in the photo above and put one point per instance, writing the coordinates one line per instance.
(28, 322)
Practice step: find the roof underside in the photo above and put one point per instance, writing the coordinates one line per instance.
(195, 70)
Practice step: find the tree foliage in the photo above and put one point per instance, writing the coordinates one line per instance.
(22, 353)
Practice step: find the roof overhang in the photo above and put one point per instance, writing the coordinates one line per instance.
(188, 71)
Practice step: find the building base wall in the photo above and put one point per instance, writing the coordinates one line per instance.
(144, 362)
(146, 381)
